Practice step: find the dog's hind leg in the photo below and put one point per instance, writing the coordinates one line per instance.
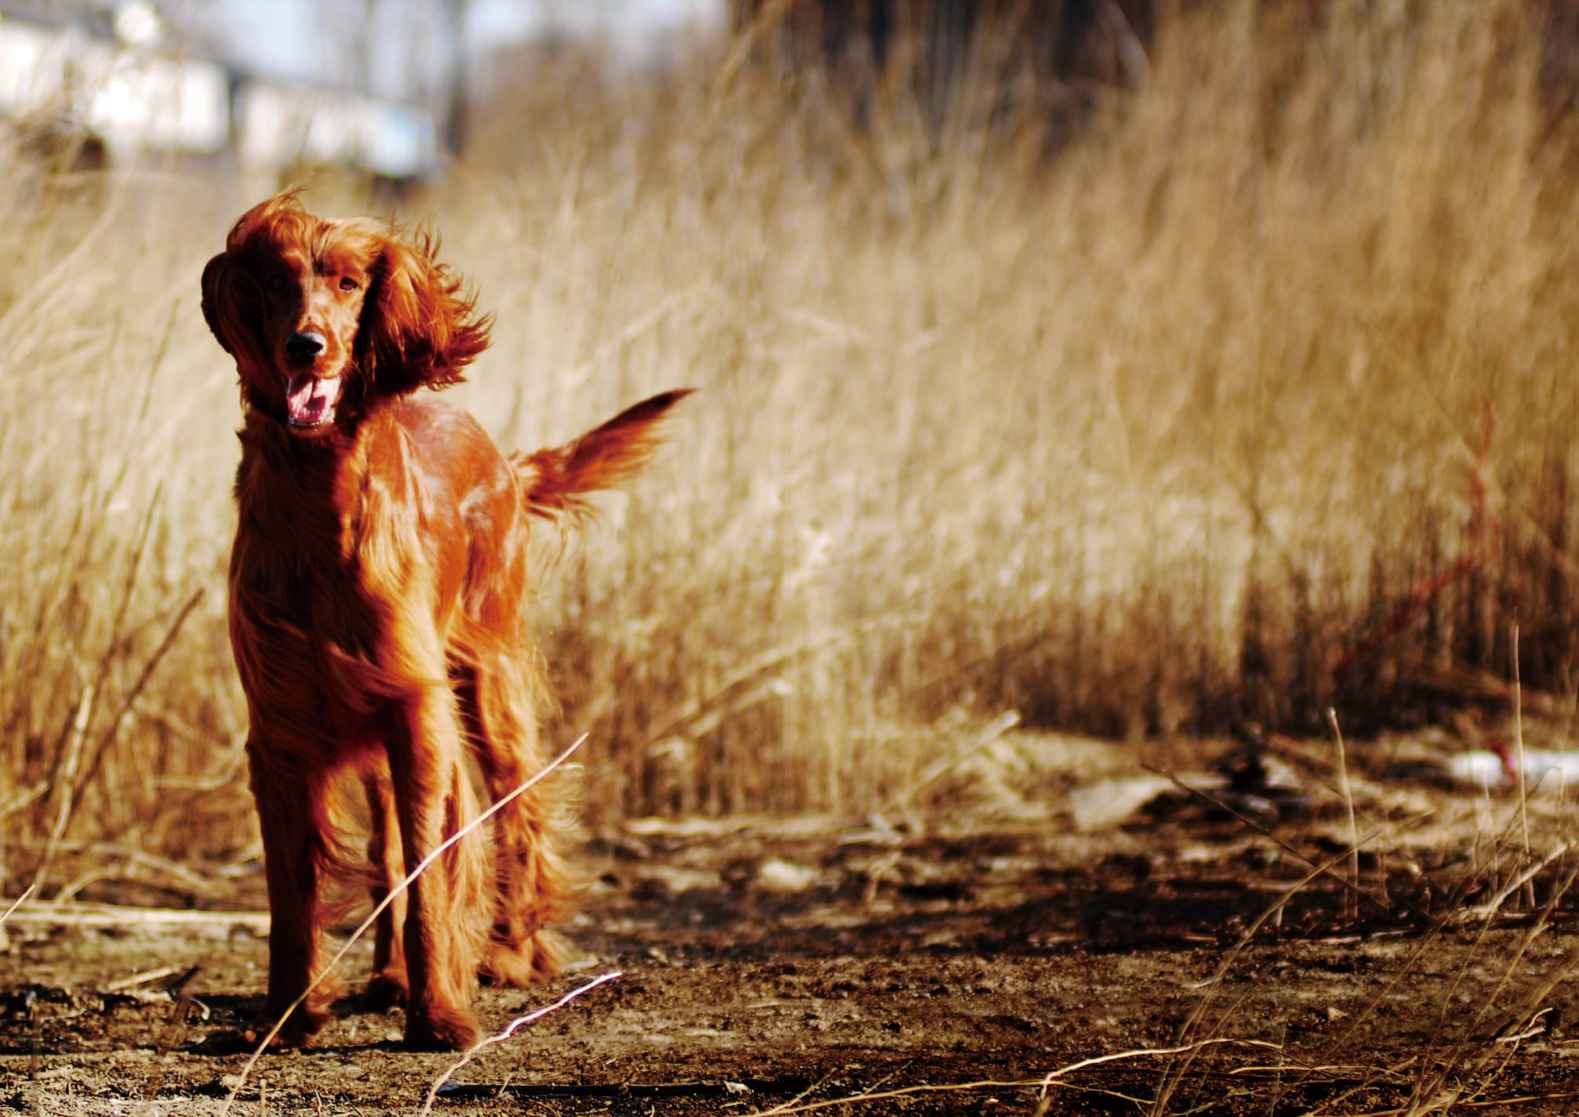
(434, 801)
(390, 984)
(531, 892)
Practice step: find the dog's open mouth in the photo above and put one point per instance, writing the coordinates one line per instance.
(310, 400)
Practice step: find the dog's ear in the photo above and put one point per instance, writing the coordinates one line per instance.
(216, 297)
(230, 307)
(419, 328)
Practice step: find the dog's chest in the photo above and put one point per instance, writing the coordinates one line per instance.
(302, 627)
(306, 578)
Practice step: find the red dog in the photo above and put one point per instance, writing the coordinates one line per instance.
(377, 586)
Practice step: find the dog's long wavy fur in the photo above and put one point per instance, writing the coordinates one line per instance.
(377, 608)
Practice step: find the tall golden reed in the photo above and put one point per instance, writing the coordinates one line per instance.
(1259, 396)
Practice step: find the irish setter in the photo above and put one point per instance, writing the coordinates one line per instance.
(377, 591)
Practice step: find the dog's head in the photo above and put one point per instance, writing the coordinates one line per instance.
(323, 316)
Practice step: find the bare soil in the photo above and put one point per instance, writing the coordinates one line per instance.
(766, 962)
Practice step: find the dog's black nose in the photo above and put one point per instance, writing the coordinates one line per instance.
(304, 346)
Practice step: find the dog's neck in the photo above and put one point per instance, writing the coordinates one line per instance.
(302, 464)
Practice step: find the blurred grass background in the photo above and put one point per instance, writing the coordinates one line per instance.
(1239, 390)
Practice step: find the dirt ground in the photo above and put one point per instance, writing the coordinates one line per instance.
(946, 962)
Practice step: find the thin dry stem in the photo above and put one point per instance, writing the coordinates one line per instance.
(18, 902)
(1523, 762)
(509, 1030)
(1351, 904)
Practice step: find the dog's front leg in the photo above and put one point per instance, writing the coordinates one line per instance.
(288, 807)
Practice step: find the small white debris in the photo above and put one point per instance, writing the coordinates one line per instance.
(1478, 768)
(1096, 806)
(776, 875)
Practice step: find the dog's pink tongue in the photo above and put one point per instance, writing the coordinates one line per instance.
(309, 400)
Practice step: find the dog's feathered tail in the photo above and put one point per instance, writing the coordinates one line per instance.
(556, 481)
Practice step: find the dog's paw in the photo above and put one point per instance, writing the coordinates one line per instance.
(299, 1031)
(440, 1029)
(520, 964)
(387, 990)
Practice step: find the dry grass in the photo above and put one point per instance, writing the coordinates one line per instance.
(1258, 398)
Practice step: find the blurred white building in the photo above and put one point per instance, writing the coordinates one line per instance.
(102, 78)
(372, 84)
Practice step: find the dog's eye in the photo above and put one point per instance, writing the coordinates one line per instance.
(278, 283)
(347, 283)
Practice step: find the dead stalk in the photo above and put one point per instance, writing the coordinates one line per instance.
(113, 729)
(114, 915)
(66, 783)
(1173, 1075)
(1458, 1064)
(1239, 816)
(1518, 744)
(1351, 905)
(18, 902)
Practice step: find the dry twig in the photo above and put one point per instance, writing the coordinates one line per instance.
(510, 1030)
